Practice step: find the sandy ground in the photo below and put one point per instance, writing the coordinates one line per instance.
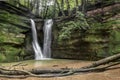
(112, 74)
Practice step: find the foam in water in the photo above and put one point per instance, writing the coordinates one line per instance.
(47, 38)
(36, 47)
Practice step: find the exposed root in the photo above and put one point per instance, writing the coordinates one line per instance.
(94, 67)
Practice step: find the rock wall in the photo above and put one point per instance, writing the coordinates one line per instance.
(91, 44)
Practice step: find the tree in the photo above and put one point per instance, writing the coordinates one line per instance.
(84, 6)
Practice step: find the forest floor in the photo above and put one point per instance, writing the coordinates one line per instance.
(112, 74)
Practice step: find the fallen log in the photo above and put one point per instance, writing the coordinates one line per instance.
(109, 9)
(96, 66)
(49, 73)
(104, 61)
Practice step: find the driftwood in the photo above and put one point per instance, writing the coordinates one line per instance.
(110, 8)
(104, 61)
(49, 73)
(94, 67)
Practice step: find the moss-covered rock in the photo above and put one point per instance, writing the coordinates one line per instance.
(11, 37)
(101, 40)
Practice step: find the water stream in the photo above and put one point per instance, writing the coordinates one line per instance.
(47, 38)
(35, 44)
(46, 53)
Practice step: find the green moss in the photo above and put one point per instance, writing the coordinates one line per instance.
(2, 58)
(10, 34)
(70, 27)
(9, 54)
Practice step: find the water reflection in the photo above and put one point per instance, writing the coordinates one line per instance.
(43, 62)
(37, 64)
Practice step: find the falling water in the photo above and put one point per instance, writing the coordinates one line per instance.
(36, 47)
(47, 38)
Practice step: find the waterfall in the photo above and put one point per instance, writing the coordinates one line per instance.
(47, 38)
(36, 47)
(47, 32)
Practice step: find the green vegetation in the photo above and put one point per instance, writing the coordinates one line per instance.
(68, 27)
(10, 34)
(98, 35)
(103, 38)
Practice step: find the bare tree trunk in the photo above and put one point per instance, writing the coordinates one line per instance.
(83, 5)
(62, 7)
(68, 7)
(77, 5)
(37, 7)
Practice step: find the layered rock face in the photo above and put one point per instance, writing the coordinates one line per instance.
(91, 44)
